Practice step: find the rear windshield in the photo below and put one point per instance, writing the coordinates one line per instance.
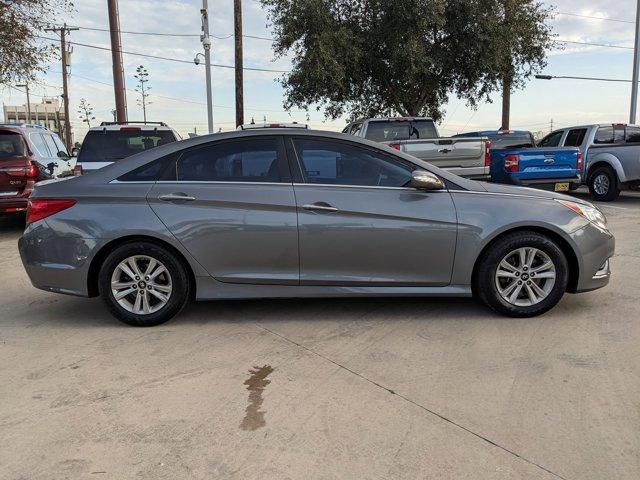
(112, 145)
(391, 130)
(11, 145)
(511, 140)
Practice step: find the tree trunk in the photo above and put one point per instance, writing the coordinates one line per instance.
(506, 101)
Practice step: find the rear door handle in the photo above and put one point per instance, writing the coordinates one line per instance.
(320, 207)
(172, 197)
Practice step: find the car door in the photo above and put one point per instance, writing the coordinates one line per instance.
(360, 225)
(231, 204)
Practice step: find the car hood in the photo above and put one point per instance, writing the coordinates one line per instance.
(529, 192)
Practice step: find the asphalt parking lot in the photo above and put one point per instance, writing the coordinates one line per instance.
(324, 389)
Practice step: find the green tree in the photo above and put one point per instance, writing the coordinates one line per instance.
(372, 57)
(522, 39)
(22, 53)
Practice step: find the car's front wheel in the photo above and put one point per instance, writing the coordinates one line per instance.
(603, 184)
(522, 274)
(143, 284)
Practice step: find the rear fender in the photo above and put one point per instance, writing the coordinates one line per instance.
(606, 158)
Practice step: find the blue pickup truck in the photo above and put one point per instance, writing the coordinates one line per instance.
(516, 160)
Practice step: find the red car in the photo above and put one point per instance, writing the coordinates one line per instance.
(28, 154)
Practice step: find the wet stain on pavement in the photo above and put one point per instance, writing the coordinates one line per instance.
(256, 383)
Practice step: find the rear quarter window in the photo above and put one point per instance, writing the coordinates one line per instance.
(575, 137)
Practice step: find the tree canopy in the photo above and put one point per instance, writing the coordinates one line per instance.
(22, 54)
(372, 57)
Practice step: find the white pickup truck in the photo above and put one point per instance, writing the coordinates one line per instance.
(418, 136)
(611, 152)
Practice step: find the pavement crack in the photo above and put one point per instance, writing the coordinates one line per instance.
(416, 404)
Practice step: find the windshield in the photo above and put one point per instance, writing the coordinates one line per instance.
(511, 140)
(11, 145)
(112, 145)
(392, 130)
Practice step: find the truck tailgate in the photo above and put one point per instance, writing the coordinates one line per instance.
(535, 164)
(447, 152)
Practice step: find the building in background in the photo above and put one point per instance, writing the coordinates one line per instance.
(49, 114)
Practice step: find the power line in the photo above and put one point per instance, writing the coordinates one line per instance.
(594, 44)
(169, 59)
(593, 17)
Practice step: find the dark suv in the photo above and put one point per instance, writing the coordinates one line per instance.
(28, 154)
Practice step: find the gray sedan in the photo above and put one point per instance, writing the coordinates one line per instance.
(299, 213)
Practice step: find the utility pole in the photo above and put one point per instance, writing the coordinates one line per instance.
(551, 126)
(237, 17)
(64, 55)
(26, 87)
(636, 67)
(206, 44)
(116, 57)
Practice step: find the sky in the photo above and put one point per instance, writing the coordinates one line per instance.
(178, 89)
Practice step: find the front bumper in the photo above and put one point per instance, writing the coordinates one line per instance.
(595, 248)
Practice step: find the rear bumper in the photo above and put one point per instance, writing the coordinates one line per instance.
(13, 205)
(473, 173)
(595, 249)
(547, 183)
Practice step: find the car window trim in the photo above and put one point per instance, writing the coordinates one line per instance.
(283, 165)
(297, 162)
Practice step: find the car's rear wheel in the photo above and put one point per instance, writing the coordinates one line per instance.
(603, 184)
(143, 284)
(522, 274)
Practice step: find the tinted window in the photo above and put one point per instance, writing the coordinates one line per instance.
(633, 135)
(149, 172)
(551, 140)
(511, 140)
(392, 130)
(253, 160)
(40, 145)
(604, 135)
(575, 137)
(356, 129)
(112, 145)
(618, 133)
(11, 145)
(337, 163)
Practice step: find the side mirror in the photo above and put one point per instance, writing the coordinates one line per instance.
(75, 151)
(423, 180)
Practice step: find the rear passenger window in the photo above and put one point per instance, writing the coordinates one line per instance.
(249, 160)
(604, 135)
(632, 135)
(575, 137)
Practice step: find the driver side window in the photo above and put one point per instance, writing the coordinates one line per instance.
(337, 163)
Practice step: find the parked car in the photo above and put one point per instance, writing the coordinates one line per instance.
(516, 160)
(111, 142)
(611, 152)
(302, 213)
(28, 154)
(467, 157)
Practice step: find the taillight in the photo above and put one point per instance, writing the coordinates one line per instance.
(487, 153)
(39, 208)
(26, 172)
(579, 161)
(77, 170)
(512, 163)
(395, 146)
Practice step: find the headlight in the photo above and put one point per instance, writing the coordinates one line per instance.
(589, 212)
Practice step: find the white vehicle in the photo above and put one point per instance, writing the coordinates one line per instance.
(418, 136)
(611, 152)
(111, 142)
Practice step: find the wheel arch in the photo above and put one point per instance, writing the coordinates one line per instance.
(99, 258)
(563, 244)
(607, 160)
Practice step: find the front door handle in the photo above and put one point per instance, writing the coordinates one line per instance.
(178, 196)
(320, 207)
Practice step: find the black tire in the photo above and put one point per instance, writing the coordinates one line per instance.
(180, 284)
(613, 190)
(484, 282)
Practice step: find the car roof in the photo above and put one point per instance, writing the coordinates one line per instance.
(23, 127)
(110, 126)
(482, 133)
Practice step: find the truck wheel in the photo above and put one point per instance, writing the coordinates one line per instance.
(523, 274)
(143, 284)
(603, 184)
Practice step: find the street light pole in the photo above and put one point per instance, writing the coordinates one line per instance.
(206, 44)
(636, 67)
(26, 87)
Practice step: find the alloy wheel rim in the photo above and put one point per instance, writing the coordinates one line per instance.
(525, 276)
(601, 184)
(141, 284)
